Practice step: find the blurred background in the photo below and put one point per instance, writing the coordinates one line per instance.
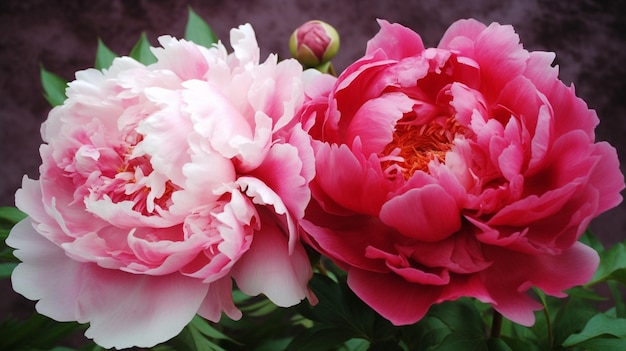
(589, 38)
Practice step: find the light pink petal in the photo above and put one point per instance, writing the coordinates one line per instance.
(246, 49)
(261, 194)
(45, 274)
(220, 299)
(182, 57)
(207, 107)
(123, 309)
(165, 134)
(269, 268)
(127, 310)
(419, 213)
(281, 171)
(396, 41)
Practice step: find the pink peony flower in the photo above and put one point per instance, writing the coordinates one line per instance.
(463, 170)
(160, 184)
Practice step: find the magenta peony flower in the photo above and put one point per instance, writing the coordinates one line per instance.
(161, 183)
(463, 170)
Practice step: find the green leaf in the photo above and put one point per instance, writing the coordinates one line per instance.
(612, 265)
(37, 332)
(499, 345)
(104, 56)
(618, 299)
(6, 269)
(466, 325)
(11, 214)
(198, 31)
(319, 338)
(571, 318)
(141, 51)
(429, 331)
(589, 239)
(603, 344)
(203, 326)
(599, 326)
(53, 87)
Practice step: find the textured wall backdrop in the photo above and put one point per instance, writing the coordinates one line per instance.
(589, 38)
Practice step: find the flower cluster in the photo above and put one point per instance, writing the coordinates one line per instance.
(427, 174)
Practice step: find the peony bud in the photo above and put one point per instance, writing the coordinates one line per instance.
(314, 43)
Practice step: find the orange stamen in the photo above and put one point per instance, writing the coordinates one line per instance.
(414, 146)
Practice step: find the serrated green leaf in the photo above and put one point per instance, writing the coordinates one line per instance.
(198, 31)
(600, 325)
(612, 265)
(53, 87)
(141, 51)
(104, 56)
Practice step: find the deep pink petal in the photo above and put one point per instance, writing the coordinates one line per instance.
(467, 28)
(375, 120)
(397, 300)
(396, 41)
(351, 180)
(419, 213)
(606, 177)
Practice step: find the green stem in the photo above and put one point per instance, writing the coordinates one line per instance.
(496, 325)
(549, 325)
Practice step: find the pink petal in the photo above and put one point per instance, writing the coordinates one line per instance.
(123, 309)
(268, 268)
(220, 299)
(375, 120)
(466, 28)
(397, 300)
(45, 274)
(606, 177)
(349, 179)
(396, 41)
(428, 213)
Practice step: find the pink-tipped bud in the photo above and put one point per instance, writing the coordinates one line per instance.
(314, 43)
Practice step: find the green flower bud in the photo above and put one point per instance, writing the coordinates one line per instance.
(314, 43)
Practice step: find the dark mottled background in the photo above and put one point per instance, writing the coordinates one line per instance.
(589, 38)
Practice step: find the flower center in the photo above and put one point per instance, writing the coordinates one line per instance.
(413, 145)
